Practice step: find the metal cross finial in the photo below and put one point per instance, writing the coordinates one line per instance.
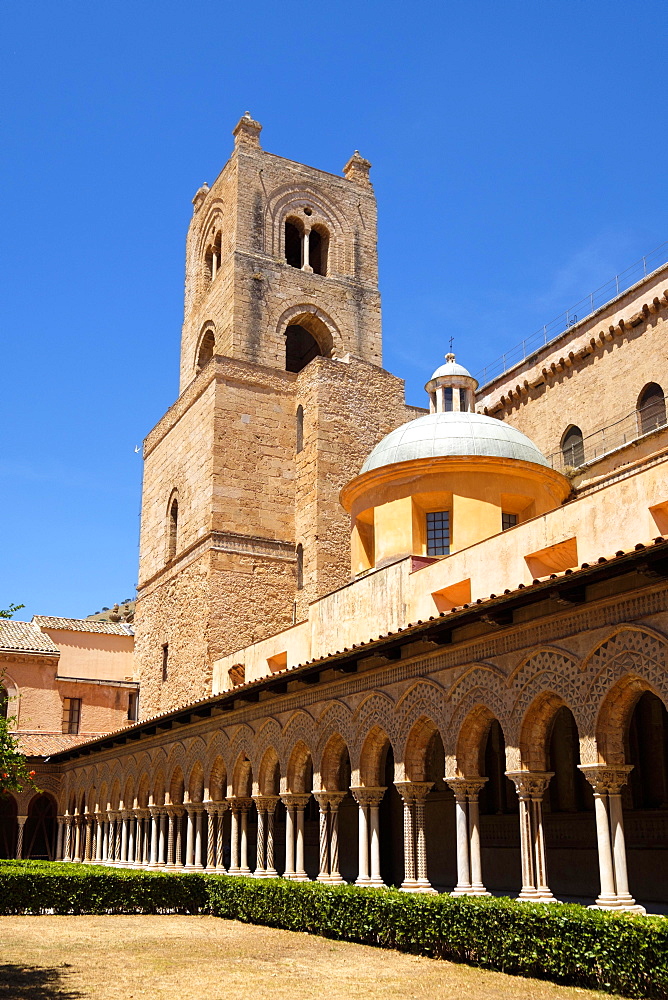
(451, 343)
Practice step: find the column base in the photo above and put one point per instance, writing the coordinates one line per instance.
(245, 871)
(425, 887)
(462, 890)
(300, 877)
(335, 879)
(618, 904)
(536, 896)
(220, 870)
(478, 889)
(270, 873)
(364, 882)
(259, 873)
(376, 883)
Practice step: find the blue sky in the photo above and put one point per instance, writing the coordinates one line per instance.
(519, 159)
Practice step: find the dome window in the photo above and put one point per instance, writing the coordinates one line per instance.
(438, 533)
(508, 521)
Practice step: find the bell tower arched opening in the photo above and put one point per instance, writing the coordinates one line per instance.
(300, 348)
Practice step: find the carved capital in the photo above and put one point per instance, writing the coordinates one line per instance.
(413, 791)
(606, 780)
(530, 784)
(266, 803)
(331, 799)
(238, 803)
(466, 788)
(295, 800)
(368, 796)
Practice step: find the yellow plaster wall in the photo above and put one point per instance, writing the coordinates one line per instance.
(472, 520)
(94, 655)
(394, 596)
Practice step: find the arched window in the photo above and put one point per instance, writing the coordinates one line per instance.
(572, 447)
(293, 245)
(300, 348)
(206, 350)
(318, 246)
(300, 567)
(651, 408)
(300, 428)
(172, 528)
(212, 257)
(4, 699)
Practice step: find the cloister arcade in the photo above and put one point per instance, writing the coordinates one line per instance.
(528, 782)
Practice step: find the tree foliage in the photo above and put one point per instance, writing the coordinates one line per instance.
(15, 775)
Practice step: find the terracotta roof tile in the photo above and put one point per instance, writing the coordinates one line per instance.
(43, 744)
(25, 637)
(82, 625)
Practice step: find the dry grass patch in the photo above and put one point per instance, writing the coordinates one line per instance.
(114, 957)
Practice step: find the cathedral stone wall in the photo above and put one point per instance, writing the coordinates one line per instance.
(591, 377)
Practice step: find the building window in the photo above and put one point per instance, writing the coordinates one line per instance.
(212, 257)
(508, 521)
(300, 567)
(293, 245)
(4, 699)
(133, 702)
(463, 404)
(165, 661)
(438, 533)
(651, 408)
(172, 528)
(318, 242)
(572, 447)
(300, 428)
(71, 715)
(206, 350)
(449, 405)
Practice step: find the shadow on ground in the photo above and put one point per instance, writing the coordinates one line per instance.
(30, 982)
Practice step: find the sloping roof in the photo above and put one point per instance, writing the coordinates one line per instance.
(43, 744)
(82, 625)
(25, 637)
(437, 629)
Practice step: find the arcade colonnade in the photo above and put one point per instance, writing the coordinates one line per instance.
(547, 750)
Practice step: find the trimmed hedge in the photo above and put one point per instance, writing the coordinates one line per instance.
(564, 943)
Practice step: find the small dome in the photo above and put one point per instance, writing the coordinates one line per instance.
(450, 368)
(445, 435)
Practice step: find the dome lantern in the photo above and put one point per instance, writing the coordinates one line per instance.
(451, 388)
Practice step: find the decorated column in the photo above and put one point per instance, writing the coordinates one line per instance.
(607, 783)
(220, 812)
(414, 794)
(67, 856)
(530, 786)
(272, 802)
(210, 809)
(19, 840)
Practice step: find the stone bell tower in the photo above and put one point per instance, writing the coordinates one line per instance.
(281, 398)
